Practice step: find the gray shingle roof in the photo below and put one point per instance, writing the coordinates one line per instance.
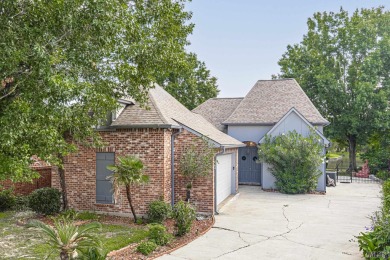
(166, 111)
(269, 100)
(217, 110)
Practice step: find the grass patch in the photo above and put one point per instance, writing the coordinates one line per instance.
(19, 242)
(115, 237)
(6, 214)
(87, 215)
(333, 155)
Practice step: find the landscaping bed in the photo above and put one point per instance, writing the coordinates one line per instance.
(199, 227)
(119, 235)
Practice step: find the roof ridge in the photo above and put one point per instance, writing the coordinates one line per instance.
(310, 102)
(162, 117)
(275, 79)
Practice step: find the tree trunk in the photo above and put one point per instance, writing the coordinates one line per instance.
(352, 153)
(130, 202)
(64, 255)
(61, 173)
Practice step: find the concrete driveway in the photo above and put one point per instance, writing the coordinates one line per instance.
(266, 225)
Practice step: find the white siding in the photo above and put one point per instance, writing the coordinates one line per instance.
(224, 177)
(248, 133)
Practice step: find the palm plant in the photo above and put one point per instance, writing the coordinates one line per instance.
(128, 171)
(69, 239)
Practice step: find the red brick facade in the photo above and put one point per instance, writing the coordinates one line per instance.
(153, 147)
(25, 188)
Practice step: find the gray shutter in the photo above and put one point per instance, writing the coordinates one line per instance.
(104, 191)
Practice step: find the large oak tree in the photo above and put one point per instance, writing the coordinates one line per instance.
(63, 65)
(343, 64)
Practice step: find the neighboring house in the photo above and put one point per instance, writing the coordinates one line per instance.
(24, 188)
(158, 135)
(271, 107)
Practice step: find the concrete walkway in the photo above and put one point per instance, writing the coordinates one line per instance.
(266, 225)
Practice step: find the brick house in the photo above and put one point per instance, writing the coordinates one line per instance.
(158, 135)
(25, 188)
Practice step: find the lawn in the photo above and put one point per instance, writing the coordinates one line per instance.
(20, 242)
(335, 157)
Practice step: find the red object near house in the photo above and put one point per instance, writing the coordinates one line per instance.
(364, 172)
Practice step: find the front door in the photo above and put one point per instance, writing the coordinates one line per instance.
(249, 171)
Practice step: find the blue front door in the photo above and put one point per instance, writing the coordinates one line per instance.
(249, 170)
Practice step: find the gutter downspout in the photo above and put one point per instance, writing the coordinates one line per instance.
(222, 151)
(173, 166)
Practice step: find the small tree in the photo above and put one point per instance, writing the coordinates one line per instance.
(195, 162)
(69, 239)
(129, 171)
(294, 161)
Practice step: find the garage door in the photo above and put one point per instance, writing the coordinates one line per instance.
(224, 177)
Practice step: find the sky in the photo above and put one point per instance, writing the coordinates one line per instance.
(241, 41)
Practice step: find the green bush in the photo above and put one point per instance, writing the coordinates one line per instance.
(294, 161)
(46, 201)
(69, 214)
(184, 214)
(21, 203)
(159, 235)
(375, 243)
(383, 174)
(386, 196)
(7, 200)
(159, 211)
(146, 247)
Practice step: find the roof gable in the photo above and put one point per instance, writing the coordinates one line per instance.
(166, 111)
(269, 100)
(310, 126)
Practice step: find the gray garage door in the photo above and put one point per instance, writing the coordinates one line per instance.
(249, 171)
(104, 192)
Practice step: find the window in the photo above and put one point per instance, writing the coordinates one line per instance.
(104, 190)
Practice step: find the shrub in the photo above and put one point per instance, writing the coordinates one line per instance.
(7, 200)
(386, 196)
(146, 247)
(21, 203)
(375, 243)
(294, 161)
(159, 235)
(158, 211)
(184, 214)
(45, 201)
(383, 174)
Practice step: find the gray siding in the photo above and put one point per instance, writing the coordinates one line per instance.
(248, 132)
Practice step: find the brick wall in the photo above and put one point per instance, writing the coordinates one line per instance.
(153, 146)
(25, 188)
(150, 145)
(202, 195)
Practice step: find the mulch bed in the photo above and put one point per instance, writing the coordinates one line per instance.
(199, 227)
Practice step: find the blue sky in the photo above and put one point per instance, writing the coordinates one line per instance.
(241, 41)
